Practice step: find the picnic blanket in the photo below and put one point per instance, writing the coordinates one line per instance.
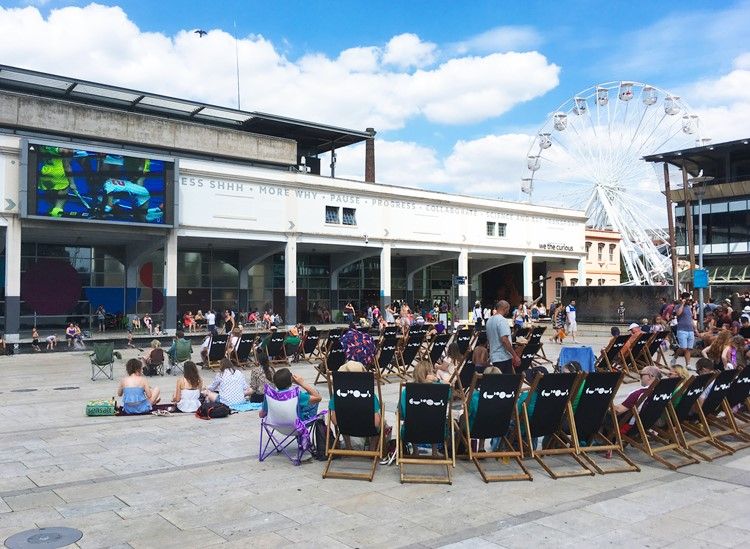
(246, 407)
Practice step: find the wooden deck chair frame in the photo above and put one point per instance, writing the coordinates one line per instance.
(325, 348)
(408, 352)
(528, 354)
(310, 352)
(695, 431)
(243, 355)
(739, 394)
(361, 380)
(724, 427)
(646, 357)
(463, 376)
(217, 350)
(429, 390)
(597, 393)
(385, 357)
(276, 349)
(654, 404)
(567, 386)
(537, 336)
(464, 338)
(511, 389)
(632, 367)
(611, 355)
(437, 346)
(333, 359)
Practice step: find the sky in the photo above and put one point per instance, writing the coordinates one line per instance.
(457, 91)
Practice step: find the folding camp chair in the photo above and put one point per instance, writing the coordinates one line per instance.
(311, 347)
(424, 416)
(464, 338)
(242, 355)
(282, 425)
(645, 435)
(611, 356)
(724, 427)
(437, 347)
(354, 395)
(217, 350)
(632, 366)
(536, 336)
(653, 349)
(543, 410)
(692, 428)
(332, 361)
(384, 357)
(738, 396)
(182, 353)
(405, 355)
(276, 349)
(495, 414)
(103, 360)
(594, 400)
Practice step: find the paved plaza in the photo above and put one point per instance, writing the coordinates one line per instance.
(178, 481)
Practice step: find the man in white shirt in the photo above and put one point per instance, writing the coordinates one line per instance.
(211, 322)
(570, 312)
(502, 354)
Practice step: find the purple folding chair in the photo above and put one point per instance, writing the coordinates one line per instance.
(282, 426)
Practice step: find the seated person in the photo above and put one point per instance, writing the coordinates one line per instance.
(229, 386)
(153, 357)
(452, 360)
(423, 373)
(354, 366)
(649, 374)
(635, 332)
(705, 366)
(204, 350)
(291, 343)
(181, 348)
(480, 356)
(309, 397)
(233, 341)
(474, 404)
(137, 396)
(188, 390)
(260, 374)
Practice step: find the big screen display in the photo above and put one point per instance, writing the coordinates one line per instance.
(83, 184)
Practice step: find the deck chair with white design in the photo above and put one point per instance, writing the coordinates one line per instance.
(645, 435)
(311, 347)
(424, 416)
(495, 397)
(217, 349)
(537, 336)
(719, 414)
(276, 349)
(385, 357)
(739, 397)
(632, 366)
(406, 355)
(356, 396)
(611, 357)
(465, 338)
(333, 359)
(543, 412)
(242, 355)
(437, 347)
(652, 354)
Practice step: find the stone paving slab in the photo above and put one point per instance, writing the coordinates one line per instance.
(180, 482)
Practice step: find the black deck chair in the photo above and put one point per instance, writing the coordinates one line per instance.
(528, 354)
(428, 420)
(390, 331)
(463, 375)
(437, 347)
(690, 422)
(611, 357)
(595, 401)
(276, 349)
(631, 361)
(464, 337)
(724, 428)
(521, 332)
(537, 336)
(551, 395)
(496, 414)
(739, 394)
(354, 394)
(241, 356)
(645, 435)
(652, 354)
(311, 347)
(406, 355)
(332, 361)
(385, 357)
(217, 350)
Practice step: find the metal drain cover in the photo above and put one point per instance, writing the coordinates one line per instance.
(44, 537)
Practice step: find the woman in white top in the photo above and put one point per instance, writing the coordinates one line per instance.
(452, 360)
(188, 391)
(230, 386)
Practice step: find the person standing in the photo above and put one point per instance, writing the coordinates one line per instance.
(502, 354)
(478, 314)
(101, 314)
(621, 312)
(211, 322)
(685, 328)
(570, 314)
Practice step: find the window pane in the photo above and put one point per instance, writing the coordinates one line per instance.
(501, 229)
(350, 216)
(490, 228)
(332, 214)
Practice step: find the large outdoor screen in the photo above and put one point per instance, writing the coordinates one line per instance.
(74, 183)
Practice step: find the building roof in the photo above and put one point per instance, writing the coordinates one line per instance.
(696, 159)
(312, 138)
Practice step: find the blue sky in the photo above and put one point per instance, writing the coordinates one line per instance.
(455, 89)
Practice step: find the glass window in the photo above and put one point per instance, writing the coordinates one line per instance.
(490, 228)
(601, 251)
(501, 228)
(558, 288)
(588, 247)
(332, 214)
(737, 205)
(612, 253)
(350, 216)
(718, 207)
(679, 210)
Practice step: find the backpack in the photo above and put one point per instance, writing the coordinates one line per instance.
(211, 410)
(319, 450)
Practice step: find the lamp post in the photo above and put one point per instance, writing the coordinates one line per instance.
(698, 186)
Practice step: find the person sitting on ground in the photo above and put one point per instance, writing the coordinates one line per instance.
(153, 357)
(452, 360)
(714, 351)
(480, 356)
(51, 342)
(260, 375)
(188, 390)
(137, 396)
(649, 374)
(229, 386)
(309, 397)
(354, 366)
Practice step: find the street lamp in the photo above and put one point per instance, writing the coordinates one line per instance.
(698, 186)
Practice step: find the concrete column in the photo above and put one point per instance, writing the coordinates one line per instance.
(12, 279)
(528, 288)
(170, 282)
(463, 289)
(582, 272)
(370, 156)
(334, 293)
(385, 275)
(290, 280)
(244, 291)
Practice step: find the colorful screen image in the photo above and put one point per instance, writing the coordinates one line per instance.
(80, 184)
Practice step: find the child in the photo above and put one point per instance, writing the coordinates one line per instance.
(130, 339)
(35, 339)
(51, 342)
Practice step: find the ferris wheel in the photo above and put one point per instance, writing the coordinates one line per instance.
(588, 155)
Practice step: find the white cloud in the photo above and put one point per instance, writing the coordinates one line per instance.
(368, 86)
(408, 50)
(504, 38)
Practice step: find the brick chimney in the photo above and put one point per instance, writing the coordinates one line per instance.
(370, 156)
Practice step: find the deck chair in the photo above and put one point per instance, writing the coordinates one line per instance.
(217, 350)
(594, 402)
(652, 354)
(354, 394)
(739, 394)
(242, 355)
(276, 349)
(311, 347)
(611, 356)
(528, 354)
(692, 428)
(543, 411)
(495, 415)
(463, 376)
(384, 357)
(521, 332)
(646, 436)
(282, 426)
(103, 360)
(437, 347)
(426, 418)
(332, 361)
(537, 336)
(636, 350)
(724, 427)
(464, 337)
(390, 331)
(405, 356)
